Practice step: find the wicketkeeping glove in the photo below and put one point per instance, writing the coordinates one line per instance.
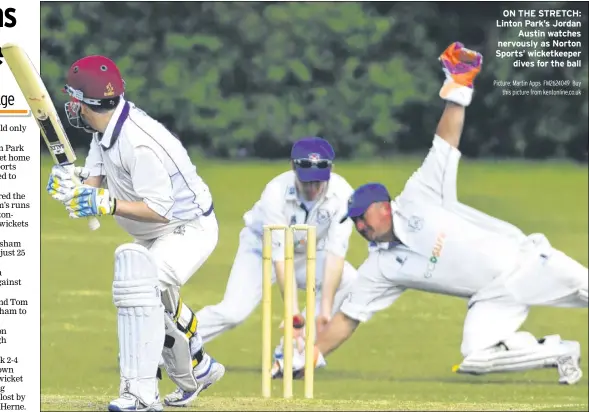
(298, 364)
(85, 201)
(298, 324)
(461, 66)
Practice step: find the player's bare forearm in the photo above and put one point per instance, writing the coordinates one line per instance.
(279, 270)
(94, 181)
(337, 331)
(138, 211)
(334, 267)
(451, 124)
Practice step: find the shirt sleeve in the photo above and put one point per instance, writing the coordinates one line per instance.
(435, 180)
(271, 211)
(338, 235)
(487, 222)
(94, 161)
(151, 181)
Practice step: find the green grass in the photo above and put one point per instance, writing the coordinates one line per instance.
(400, 360)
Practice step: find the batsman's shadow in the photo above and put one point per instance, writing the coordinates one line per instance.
(337, 375)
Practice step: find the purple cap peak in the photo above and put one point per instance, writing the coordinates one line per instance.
(363, 197)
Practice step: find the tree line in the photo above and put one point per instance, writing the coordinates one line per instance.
(246, 79)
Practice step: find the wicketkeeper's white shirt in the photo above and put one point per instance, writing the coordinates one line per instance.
(446, 247)
(142, 161)
(279, 204)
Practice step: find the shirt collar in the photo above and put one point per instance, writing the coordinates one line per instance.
(383, 245)
(115, 124)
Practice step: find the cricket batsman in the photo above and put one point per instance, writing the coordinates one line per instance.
(140, 173)
(425, 239)
(310, 193)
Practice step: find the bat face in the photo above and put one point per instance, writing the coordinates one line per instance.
(38, 99)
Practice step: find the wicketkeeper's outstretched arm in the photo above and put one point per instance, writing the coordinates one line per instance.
(461, 66)
(435, 180)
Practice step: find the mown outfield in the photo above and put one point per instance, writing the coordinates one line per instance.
(400, 360)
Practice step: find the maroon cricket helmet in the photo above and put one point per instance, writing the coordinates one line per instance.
(95, 80)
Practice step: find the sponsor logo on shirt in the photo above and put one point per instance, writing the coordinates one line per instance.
(436, 253)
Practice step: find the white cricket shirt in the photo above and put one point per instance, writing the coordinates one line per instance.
(142, 161)
(280, 204)
(446, 247)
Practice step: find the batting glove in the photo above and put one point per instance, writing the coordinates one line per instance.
(60, 183)
(82, 173)
(461, 66)
(84, 201)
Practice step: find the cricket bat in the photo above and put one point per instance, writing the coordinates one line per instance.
(38, 98)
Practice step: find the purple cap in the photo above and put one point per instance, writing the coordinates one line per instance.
(313, 158)
(363, 197)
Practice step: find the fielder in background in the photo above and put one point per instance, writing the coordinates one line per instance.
(309, 194)
(427, 240)
(138, 172)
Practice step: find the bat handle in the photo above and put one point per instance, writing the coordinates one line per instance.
(93, 222)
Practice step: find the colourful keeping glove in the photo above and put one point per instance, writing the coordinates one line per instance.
(461, 66)
(84, 201)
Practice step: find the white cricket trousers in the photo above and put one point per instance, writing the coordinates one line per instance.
(547, 277)
(244, 287)
(544, 277)
(181, 253)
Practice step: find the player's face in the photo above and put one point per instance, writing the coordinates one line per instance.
(376, 225)
(86, 115)
(311, 190)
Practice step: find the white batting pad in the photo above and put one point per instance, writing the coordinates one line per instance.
(521, 352)
(137, 296)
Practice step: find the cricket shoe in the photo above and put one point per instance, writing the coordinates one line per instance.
(129, 402)
(206, 373)
(568, 365)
